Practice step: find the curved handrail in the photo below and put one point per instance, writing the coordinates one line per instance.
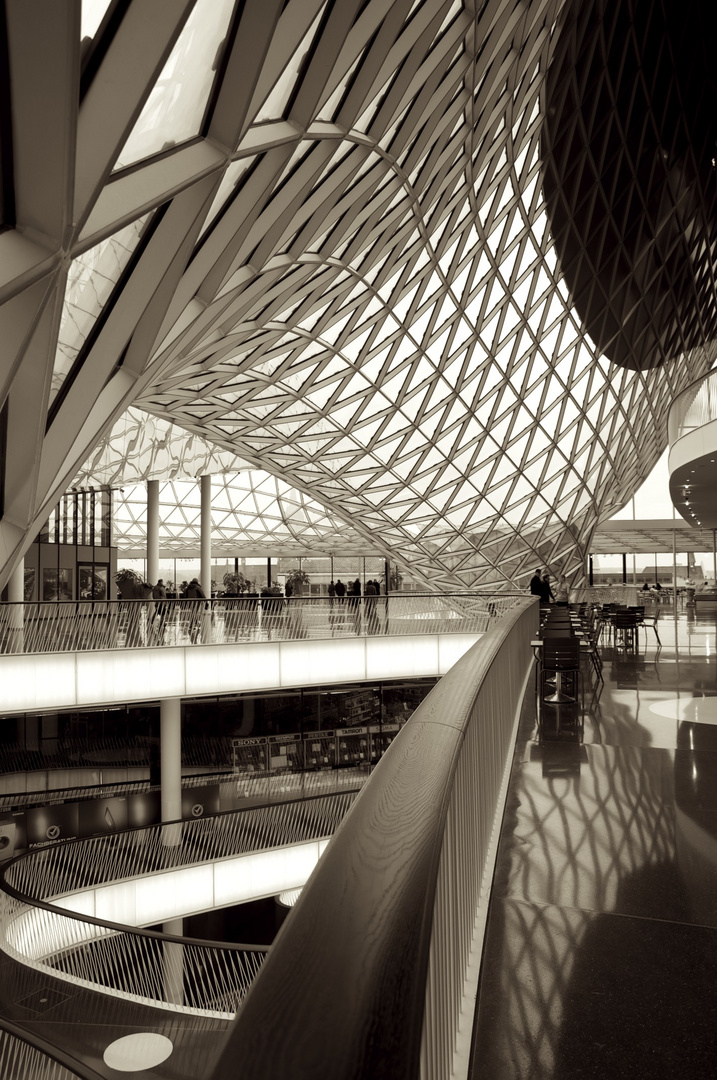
(377, 950)
(97, 625)
(26, 1054)
(151, 966)
(73, 865)
(693, 407)
(139, 964)
(231, 784)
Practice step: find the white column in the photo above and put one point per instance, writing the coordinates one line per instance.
(16, 596)
(206, 534)
(173, 962)
(206, 554)
(152, 531)
(170, 757)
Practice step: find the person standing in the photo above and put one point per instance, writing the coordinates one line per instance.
(194, 593)
(370, 601)
(159, 593)
(536, 583)
(562, 591)
(354, 591)
(546, 593)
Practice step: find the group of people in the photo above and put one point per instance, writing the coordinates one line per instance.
(340, 590)
(190, 590)
(540, 585)
(245, 616)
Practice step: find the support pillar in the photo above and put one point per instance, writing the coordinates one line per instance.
(206, 554)
(16, 597)
(624, 568)
(152, 531)
(205, 483)
(173, 971)
(674, 568)
(170, 752)
(714, 554)
(590, 570)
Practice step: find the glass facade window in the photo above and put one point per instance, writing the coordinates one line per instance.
(176, 106)
(82, 518)
(90, 284)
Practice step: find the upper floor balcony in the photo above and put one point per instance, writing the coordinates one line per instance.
(86, 653)
(692, 432)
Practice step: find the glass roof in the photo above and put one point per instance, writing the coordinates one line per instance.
(253, 513)
(358, 315)
(175, 107)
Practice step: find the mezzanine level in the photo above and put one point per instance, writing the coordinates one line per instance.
(68, 655)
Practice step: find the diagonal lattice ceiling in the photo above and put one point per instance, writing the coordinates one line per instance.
(252, 512)
(313, 235)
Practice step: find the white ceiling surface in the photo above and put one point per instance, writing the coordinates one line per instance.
(311, 237)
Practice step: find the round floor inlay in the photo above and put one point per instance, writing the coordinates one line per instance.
(132, 1053)
(693, 710)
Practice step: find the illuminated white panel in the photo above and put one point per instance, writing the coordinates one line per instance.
(307, 662)
(172, 894)
(81, 902)
(117, 902)
(83, 679)
(37, 682)
(451, 647)
(264, 873)
(213, 669)
(129, 675)
(407, 656)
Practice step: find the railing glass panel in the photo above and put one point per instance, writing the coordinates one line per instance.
(89, 626)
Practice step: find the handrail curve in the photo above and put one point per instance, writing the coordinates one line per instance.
(378, 947)
(26, 1054)
(182, 973)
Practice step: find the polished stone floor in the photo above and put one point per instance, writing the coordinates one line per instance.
(600, 958)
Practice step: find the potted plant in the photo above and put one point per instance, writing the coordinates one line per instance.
(132, 586)
(295, 581)
(236, 584)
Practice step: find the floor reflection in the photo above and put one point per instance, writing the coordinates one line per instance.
(602, 942)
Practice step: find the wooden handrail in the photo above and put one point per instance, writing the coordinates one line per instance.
(343, 993)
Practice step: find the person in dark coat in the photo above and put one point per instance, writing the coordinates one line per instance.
(546, 593)
(536, 583)
(194, 593)
(160, 610)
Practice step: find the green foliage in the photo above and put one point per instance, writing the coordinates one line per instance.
(129, 575)
(237, 583)
(296, 577)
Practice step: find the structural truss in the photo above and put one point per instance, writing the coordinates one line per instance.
(311, 234)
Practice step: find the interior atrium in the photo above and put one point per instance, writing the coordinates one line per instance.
(310, 245)
(411, 284)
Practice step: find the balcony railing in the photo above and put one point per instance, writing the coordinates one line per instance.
(38, 926)
(87, 625)
(693, 408)
(24, 1055)
(375, 972)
